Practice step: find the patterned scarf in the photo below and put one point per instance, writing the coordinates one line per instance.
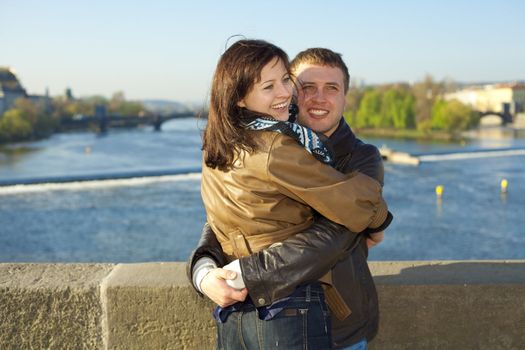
(306, 137)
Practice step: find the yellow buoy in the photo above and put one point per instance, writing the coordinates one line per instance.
(504, 185)
(439, 190)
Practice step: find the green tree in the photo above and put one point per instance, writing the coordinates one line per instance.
(14, 127)
(407, 117)
(369, 112)
(398, 107)
(452, 116)
(42, 123)
(353, 100)
(118, 105)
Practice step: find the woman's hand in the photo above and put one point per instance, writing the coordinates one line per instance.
(374, 239)
(214, 286)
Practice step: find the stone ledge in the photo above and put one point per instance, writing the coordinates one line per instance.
(51, 306)
(424, 305)
(451, 304)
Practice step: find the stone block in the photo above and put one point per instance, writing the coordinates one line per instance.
(153, 306)
(51, 306)
(450, 305)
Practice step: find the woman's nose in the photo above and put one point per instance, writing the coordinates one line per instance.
(285, 90)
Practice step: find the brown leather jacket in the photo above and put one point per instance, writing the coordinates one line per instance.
(268, 196)
(306, 256)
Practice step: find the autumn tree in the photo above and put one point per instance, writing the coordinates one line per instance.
(425, 93)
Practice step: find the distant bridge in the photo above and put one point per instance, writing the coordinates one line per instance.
(506, 118)
(102, 121)
(507, 114)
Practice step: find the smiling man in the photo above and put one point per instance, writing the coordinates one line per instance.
(271, 274)
(322, 91)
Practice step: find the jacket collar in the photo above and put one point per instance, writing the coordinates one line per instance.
(343, 140)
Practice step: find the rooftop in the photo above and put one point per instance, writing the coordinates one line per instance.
(9, 82)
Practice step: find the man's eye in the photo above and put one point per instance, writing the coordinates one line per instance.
(308, 88)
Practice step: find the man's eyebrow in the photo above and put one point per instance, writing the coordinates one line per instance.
(302, 82)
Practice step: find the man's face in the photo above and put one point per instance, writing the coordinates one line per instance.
(320, 96)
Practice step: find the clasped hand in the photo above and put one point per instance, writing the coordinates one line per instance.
(214, 286)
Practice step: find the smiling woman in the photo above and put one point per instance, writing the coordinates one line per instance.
(272, 94)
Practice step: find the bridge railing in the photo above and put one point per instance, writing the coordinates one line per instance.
(424, 305)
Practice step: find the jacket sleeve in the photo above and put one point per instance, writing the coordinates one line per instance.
(275, 272)
(367, 159)
(208, 246)
(353, 200)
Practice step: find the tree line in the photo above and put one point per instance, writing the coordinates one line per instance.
(420, 106)
(28, 120)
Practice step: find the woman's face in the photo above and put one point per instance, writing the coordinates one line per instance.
(272, 93)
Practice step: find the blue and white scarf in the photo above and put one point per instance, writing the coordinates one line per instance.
(303, 135)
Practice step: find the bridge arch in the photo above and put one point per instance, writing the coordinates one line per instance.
(492, 119)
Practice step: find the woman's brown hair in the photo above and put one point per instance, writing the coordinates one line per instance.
(239, 68)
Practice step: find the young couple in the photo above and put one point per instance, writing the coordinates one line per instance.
(292, 208)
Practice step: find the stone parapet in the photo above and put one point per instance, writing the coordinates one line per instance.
(451, 305)
(47, 306)
(424, 305)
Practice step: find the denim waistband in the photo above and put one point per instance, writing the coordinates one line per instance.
(312, 292)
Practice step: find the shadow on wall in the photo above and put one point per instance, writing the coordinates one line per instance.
(432, 273)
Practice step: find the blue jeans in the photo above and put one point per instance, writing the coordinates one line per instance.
(303, 324)
(362, 345)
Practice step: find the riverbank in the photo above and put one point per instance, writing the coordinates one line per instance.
(409, 134)
(496, 132)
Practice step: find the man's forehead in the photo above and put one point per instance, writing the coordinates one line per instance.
(316, 73)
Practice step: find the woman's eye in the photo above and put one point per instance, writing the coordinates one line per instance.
(268, 87)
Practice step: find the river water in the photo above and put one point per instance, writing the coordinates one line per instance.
(158, 218)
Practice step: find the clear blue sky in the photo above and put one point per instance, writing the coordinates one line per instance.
(168, 49)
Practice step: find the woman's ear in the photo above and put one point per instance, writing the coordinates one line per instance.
(241, 104)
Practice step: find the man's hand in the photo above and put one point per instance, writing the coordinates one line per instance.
(214, 286)
(374, 239)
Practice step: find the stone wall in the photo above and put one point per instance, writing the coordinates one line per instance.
(424, 305)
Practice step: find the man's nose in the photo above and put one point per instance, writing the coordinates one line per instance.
(318, 95)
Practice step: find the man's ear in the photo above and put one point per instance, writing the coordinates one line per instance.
(241, 104)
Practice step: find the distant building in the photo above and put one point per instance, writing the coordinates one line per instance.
(11, 89)
(495, 98)
(69, 95)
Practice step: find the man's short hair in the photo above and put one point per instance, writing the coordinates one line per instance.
(322, 57)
